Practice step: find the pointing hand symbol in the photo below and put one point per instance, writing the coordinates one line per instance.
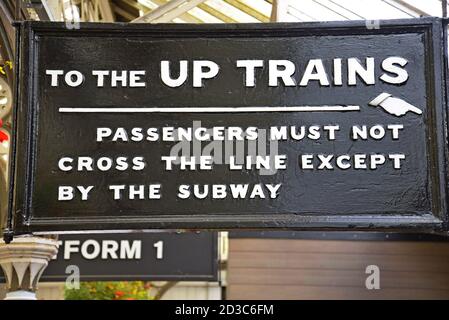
(393, 105)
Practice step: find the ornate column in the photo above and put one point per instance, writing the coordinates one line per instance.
(23, 261)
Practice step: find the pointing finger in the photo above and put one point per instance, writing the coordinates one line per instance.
(414, 109)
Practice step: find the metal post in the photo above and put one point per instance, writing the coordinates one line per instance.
(17, 12)
(279, 11)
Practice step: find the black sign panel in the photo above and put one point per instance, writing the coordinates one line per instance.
(144, 256)
(307, 126)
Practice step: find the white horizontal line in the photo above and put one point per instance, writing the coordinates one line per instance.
(324, 108)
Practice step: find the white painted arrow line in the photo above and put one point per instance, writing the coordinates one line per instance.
(324, 108)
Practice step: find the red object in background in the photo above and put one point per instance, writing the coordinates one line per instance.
(3, 136)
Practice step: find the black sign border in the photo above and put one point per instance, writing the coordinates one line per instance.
(22, 159)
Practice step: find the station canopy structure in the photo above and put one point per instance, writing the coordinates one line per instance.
(228, 11)
(206, 11)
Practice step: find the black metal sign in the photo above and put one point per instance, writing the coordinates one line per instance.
(307, 126)
(144, 256)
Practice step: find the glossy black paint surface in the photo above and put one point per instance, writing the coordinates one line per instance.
(411, 198)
